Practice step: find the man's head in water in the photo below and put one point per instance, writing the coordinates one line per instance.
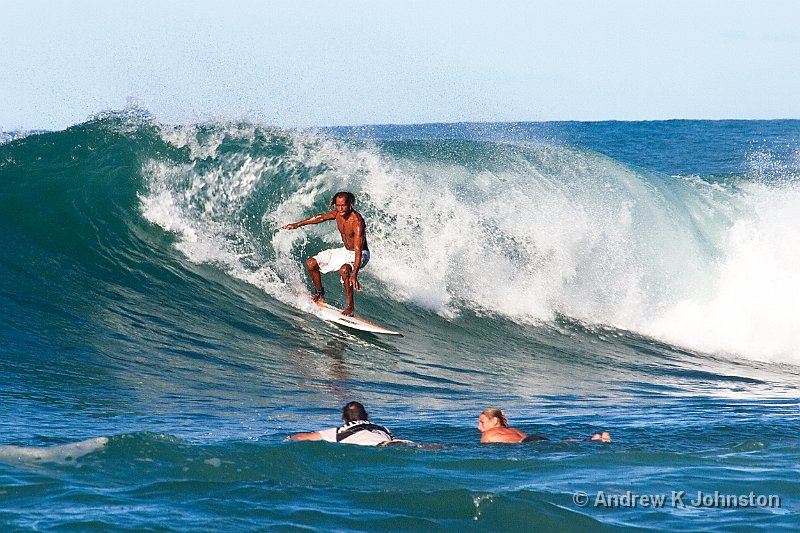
(354, 411)
(343, 202)
(491, 418)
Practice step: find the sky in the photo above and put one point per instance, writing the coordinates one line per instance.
(301, 63)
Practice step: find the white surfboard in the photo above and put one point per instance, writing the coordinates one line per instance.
(331, 314)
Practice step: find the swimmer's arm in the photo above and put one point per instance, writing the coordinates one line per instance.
(314, 435)
(603, 437)
(316, 219)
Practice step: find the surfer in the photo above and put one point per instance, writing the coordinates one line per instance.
(348, 260)
(493, 426)
(357, 429)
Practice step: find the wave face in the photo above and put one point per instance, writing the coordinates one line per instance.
(524, 231)
(641, 277)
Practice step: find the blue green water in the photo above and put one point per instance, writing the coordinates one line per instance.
(640, 278)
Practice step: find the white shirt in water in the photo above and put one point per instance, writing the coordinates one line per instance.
(369, 435)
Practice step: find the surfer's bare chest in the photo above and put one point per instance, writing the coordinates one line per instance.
(347, 228)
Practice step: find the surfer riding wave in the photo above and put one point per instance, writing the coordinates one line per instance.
(348, 260)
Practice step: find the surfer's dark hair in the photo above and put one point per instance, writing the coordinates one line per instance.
(348, 197)
(354, 411)
(494, 412)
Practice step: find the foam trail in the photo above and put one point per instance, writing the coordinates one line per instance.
(51, 454)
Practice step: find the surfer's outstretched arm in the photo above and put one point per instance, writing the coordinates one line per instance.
(315, 219)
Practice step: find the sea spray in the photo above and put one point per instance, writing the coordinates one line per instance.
(525, 231)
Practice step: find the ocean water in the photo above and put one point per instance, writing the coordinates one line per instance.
(640, 278)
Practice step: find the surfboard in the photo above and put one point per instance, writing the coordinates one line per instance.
(331, 314)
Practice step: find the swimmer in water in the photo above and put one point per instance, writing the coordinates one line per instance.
(357, 429)
(493, 426)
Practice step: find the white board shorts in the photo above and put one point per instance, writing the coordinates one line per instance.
(335, 258)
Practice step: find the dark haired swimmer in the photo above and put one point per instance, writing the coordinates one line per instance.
(493, 426)
(357, 429)
(348, 260)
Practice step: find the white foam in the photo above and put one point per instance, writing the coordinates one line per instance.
(699, 265)
(182, 136)
(752, 308)
(216, 462)
(51, 454)
(525, 244)
(203, 207)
